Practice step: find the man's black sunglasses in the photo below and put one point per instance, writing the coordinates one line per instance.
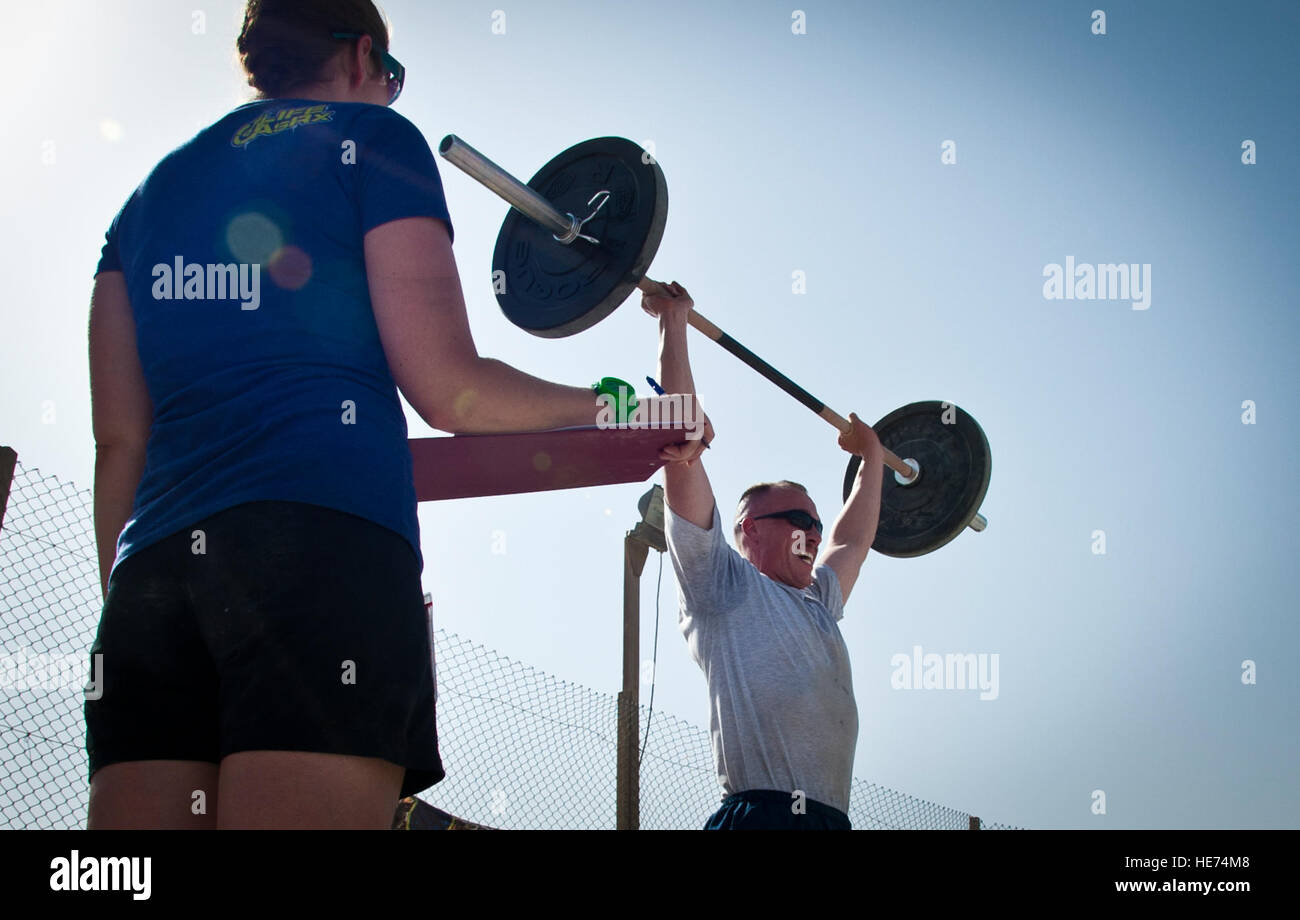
(801, 519)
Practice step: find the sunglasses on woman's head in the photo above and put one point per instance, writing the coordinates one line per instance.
(395, 71)
(801, 519)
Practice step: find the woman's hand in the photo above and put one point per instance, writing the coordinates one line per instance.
(689, 451)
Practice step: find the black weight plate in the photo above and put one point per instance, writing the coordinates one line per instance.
(552, 289)
(955, 468)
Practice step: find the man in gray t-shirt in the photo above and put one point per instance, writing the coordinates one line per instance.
(762, 620)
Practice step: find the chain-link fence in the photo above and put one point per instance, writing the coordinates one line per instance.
(522, 749)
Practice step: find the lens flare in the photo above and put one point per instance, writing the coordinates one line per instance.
(290, 267)
(253, 238)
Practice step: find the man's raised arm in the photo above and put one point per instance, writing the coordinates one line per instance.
(686, 487)
(854, 529)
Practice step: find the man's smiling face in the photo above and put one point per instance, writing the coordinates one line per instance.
(777, 547)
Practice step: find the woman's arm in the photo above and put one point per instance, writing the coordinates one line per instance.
(121, 413)
(420, 311)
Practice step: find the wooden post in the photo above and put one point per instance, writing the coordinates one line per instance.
(974, 823)
(8, 459)
(629, 704)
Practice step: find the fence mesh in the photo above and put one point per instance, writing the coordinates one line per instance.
(522, 748)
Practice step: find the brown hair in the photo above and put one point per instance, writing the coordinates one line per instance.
(285, 44)
(758, 489)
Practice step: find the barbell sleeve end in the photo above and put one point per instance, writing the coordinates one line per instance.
(519, 196)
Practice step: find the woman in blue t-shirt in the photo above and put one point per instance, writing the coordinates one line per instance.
(263, 651)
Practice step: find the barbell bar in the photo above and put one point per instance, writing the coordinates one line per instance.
(566, 228)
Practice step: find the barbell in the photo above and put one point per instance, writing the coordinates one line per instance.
(579, 239)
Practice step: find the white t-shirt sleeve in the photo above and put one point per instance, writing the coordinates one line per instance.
(827, 586)
(708, 569)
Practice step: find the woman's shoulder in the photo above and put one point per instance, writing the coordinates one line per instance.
(381, 119)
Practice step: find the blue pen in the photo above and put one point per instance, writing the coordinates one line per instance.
(659, 391)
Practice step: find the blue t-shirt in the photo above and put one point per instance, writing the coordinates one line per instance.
(243, 254)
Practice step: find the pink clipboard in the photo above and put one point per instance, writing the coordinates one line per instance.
(470, 466)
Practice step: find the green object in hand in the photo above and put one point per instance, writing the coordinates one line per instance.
(622, 397)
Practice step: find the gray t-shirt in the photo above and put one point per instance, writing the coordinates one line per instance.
(782, 714)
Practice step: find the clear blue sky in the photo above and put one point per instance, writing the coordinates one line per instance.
(820, 152)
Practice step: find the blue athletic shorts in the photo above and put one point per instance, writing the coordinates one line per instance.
(299, 628)
(770, 810)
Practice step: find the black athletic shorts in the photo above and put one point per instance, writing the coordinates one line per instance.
(299, 628)
(770, 810)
